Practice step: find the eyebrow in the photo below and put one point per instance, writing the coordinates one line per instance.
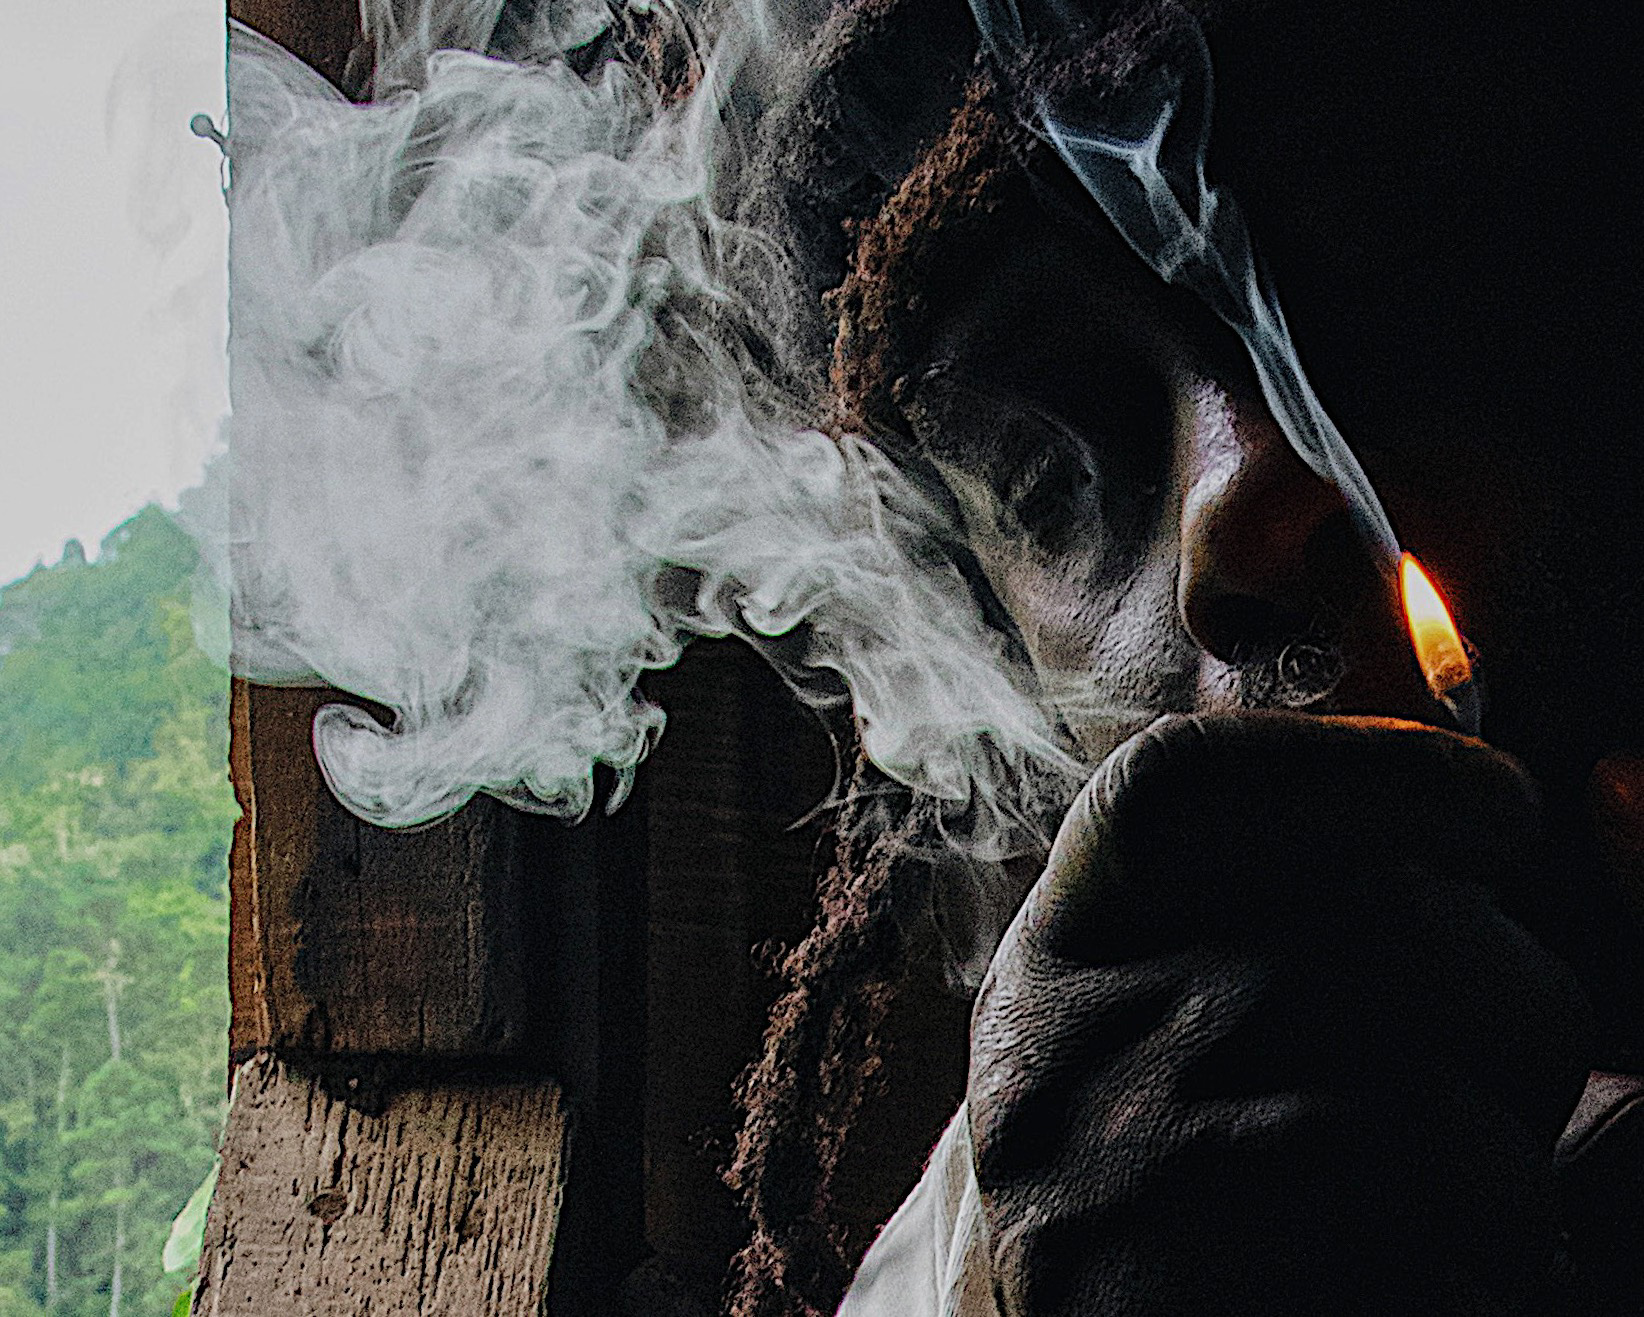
(1126, 318)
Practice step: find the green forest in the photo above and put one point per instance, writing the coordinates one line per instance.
(115, 817)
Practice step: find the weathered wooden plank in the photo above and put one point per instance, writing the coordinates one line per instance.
(402, 954)
(248, 1025)
(347, 938)
(352, 939)
(321, 33)
(440, 1201)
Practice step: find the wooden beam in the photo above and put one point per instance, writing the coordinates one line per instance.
(395, 959)
(731, 866)
(436, 1201)
(351, 939)
(321, 33)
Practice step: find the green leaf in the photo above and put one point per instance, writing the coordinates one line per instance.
(185, 1301)
(187, 1235)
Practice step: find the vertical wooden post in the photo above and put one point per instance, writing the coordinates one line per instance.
(540, 1025)
(404, 1011)
(740, 766)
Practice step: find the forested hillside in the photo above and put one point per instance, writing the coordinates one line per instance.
(115, 816)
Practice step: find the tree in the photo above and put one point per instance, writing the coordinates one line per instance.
(115, 817)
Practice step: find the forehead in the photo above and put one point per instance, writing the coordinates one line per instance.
(1051, 302)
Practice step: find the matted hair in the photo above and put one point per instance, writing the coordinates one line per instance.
(888, 151)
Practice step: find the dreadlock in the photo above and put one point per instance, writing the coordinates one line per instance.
(879, 172)
(822, 1055)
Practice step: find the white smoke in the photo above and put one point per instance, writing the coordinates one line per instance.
(485, 471)
(1142, 160)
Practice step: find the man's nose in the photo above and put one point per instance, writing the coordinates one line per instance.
(1271, 553)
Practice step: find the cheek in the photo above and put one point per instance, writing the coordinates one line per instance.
(1110, 655)
(1098, 617)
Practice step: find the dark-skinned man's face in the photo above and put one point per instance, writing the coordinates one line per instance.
(1296, 1015)
(1431, 207)
(1140, 517)
(1272, 1011)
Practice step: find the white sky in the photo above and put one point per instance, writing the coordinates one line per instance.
(112, 255)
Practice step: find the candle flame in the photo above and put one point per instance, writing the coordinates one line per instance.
(1443, 658)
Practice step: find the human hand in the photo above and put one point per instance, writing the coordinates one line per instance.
(1264, 1037)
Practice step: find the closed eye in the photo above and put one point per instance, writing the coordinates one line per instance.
(1059, 480)
(1049, 478)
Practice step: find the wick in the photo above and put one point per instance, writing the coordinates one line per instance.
(1464, 706)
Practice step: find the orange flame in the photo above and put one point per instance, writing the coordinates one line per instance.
(1439, 650)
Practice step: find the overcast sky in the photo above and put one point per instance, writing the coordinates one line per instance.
(112, 255)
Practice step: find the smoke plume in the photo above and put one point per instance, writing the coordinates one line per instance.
(493, 455)
(1140, 155)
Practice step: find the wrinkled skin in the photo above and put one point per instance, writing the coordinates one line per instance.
(1265, 1039)
(1133, 505)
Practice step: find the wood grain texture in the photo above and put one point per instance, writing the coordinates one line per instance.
(741, 764)
(407, 954)
(436, 1202)
(248, 1025)
(322, 33)
(352, 939)
(345, 938)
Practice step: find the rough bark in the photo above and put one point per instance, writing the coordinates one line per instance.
(440, 1201)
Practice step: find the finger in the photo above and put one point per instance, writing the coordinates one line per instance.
(1208, 818)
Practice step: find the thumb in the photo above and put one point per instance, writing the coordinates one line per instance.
(1207, 823)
